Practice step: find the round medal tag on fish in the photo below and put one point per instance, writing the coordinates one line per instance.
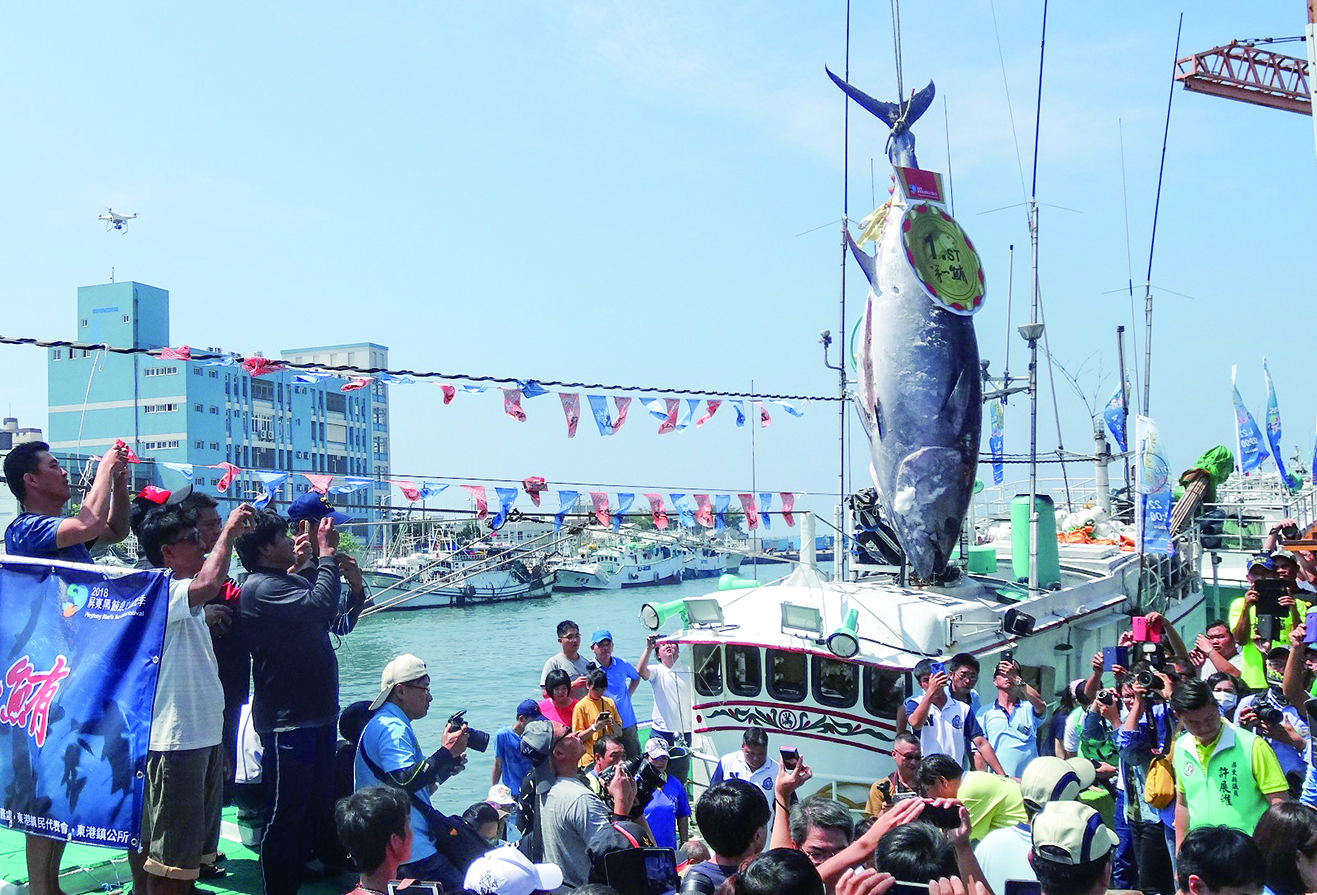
(943, 258)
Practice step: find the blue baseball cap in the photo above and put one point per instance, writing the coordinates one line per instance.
(529, 708)
(601, 635)
(314, 506)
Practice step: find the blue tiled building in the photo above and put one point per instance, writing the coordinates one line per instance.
(175, 411)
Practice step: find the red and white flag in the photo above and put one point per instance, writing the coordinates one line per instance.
(230, 473)
(600, 501)
(408, 489)
(183, 353)
(669, 424)
(656, 508)
(533, 485)
(622, 405)
(359, 382)
(703, 511)
(129, 455)
(751, 511)
(512, 404)
(477, 493)
(764, 418)
(711, 407)
(261, 366)
(319, 482)
(571, 409)
(449, 393)
(788, 504)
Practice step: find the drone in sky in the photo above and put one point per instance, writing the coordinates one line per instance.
(116, 221)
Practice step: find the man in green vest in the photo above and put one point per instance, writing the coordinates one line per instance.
(1224, 775)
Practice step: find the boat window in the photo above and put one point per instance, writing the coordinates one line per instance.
(836, 683)
(883, 691)
(708, 658)
(786, 676)
(743, 673)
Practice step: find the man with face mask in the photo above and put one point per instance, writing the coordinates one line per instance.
(1271, 716)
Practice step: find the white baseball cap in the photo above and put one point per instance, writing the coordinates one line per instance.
(506, 871)
(402, 670)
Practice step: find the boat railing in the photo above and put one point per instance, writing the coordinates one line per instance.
(994, 501)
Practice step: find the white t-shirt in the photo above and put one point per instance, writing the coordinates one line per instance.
(189, 700)
(1209, 669)
(672, 697)
(1070, 740)
(1004, 854)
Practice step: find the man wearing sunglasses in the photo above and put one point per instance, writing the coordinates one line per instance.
(903, 782)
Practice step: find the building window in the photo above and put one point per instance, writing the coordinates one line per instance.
(125, 318)
(198, 407)
(200, 444)
(214, 410)
(86, 352)
(160, 371)
(159, 445)
(159, 408)
(84, 323)
(56, 353)
(214, 445)
(213, 374)
(262, 390)
(708, 668)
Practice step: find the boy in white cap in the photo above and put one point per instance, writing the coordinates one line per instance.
(506, 871)
(1072, 850)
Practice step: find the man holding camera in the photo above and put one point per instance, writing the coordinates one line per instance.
(389, 753)
(1011, 723)
(1271, 716)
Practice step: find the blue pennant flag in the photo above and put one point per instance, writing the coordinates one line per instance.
(720, 504)
(1273, 426)
(225, 360)
(183, 469)
(739, 407)
(272, 481)
(657, 408)
(475, 389)
(790, 408)
(1114, 414)
(390, 377)
(1248, 438)
(765, 502)
(599, 407)
(350, 484)
(1153, 486)
(566, 501)
(530, 388)
(687, 414)
(430, 489)
(683, 509)
(996, 441)
(624, 502)
(506, 498)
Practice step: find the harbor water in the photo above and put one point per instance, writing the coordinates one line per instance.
(486, 659)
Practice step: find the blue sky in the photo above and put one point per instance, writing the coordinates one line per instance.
(643, 194)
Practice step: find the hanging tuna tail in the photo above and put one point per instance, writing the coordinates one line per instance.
(898, 116)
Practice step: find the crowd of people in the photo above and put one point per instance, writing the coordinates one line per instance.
(1177, 764)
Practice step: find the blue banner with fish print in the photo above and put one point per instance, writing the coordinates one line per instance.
(1152, 518)
(1248, 438)
(79, 654)
(1114, 414)
(1273, 426)
(996, 441)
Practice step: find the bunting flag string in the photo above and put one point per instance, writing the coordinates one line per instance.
(571, 408)
(788, 505)
(533, 486)
(512, 404)
(624, 502)
(599, 499)
(319, 481)
(751, 513)
(566, 503)
(657, 511)
(477, 493)
(703, 510)
(766, 504)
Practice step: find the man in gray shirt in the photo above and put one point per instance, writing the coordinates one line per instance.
(572, 825)
(570, 659)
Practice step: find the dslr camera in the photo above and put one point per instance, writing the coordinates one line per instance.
(475, 739)
(647, 780)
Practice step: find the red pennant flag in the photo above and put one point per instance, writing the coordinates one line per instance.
(600, 501)
(751, 511)
(571, 408)
(408, 489)
(764, 418)
(478, 493)
(533, 485)
(449, 393)
(320, 482)
(788, 503)
(184, 353)
(711, 409)
(656, 507)
(261, 366)
(360, 382)
(670, 424)
(128, 452)
(512, 404)
(703, 512)
(230, 473)
(622, 405)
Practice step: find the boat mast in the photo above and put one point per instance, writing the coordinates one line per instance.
(839, 535)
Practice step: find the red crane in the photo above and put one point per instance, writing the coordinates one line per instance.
(1242, 71)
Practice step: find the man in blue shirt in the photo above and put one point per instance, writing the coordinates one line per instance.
(622, 682)
(1011, 723)
(41, 531)
(510, 766)
(388, 753)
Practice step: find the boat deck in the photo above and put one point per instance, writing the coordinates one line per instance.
(89, 868)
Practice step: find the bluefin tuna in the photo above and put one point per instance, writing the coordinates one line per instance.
(920, 391)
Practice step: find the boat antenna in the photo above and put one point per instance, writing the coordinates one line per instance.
(1152, 243)
(1129, 272)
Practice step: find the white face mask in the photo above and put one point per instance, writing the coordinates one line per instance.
(1225, 699)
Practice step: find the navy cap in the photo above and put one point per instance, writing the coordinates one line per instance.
(529, 708)
(314, 506)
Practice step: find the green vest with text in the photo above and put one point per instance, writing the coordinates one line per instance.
(1223, 793)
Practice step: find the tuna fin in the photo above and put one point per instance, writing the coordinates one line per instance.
(891, 113)
(867, 262)
(959, 398)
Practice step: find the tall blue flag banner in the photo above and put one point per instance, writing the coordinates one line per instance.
(79, 653)
(1114, 414)
(1273, 426)
(995, 441)
(1152, 517)
(1248, 439)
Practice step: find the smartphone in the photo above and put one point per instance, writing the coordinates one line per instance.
(903, 888)
(1270, 590)
(607, 716)
(937, 668)
(414, 887)
(1023, 887)
(1115, 655)
(790, 758)
(945, 817)
(645, 871)
(1310, 627)
(1145, 632)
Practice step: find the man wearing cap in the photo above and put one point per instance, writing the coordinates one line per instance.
(1071, 850)
(671, 683)
(1004, 853)
(903, 782)
(622, 682)
(389, 753)
(506, 871)
(1243, 615)
(288, 606)
(41, 486)
(668, 811)
(571, 823)
(510, 766)
(1223, 774)
(569, 659)
(1011, 723)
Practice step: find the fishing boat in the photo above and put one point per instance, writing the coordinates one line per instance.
(613, 562)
